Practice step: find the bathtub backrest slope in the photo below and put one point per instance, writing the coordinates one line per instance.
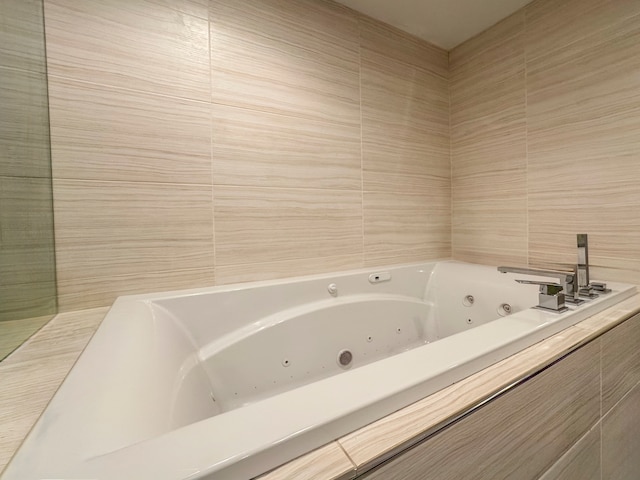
(465, 296)
(212, 314)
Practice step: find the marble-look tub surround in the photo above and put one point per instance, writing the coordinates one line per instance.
(545, 122)
(251, 140)
(201, 142)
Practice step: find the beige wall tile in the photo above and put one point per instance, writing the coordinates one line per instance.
(283, 140)
(583, 106)
(105, 133)
(393, 43)
(24, 123)
(118, 237)
(620, 439)
(582, 461)
(248, 272)
(297, 58)
(258, 225)
(405, 141)
(401, 228)
(555, 25)
(22, 35)
(486, 40)
(527, 425)
(488, 146)
(270, 150)
(563, 159)
(620, 362)
(489, 222)
(405, 125)
(92, 292)
(491, 231)
(150, 46)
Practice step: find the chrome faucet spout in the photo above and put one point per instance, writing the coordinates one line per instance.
(567, 280)
(563, 276)
(575, 283)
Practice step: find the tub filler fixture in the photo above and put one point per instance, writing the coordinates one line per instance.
(229, 382)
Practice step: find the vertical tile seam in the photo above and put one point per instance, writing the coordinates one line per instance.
(354, 472)
(617, 404)
(211, 127)
(526, 131)
(600, 419)
(359, 22)
(451, 209)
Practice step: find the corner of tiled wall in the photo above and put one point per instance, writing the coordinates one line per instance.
(544, 138)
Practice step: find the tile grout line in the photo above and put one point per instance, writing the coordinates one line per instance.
(211, 159)
(600, 419)
(526, 136)
(222, 185)
(451, 209)
(621, 399)
(210, 101)
(353, 463)
(363, 261)
(126, 89)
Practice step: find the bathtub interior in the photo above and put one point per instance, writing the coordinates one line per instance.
(248, 343)
(465, 298)
(310, 343)
(246, 351)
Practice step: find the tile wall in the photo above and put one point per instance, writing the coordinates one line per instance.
(545, 137)
(201, 142)
(198, 143)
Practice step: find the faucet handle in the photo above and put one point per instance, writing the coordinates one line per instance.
(550, 296)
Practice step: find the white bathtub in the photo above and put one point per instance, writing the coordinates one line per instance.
(229, 382)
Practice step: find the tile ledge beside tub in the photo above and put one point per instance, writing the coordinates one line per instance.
(342, 459)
